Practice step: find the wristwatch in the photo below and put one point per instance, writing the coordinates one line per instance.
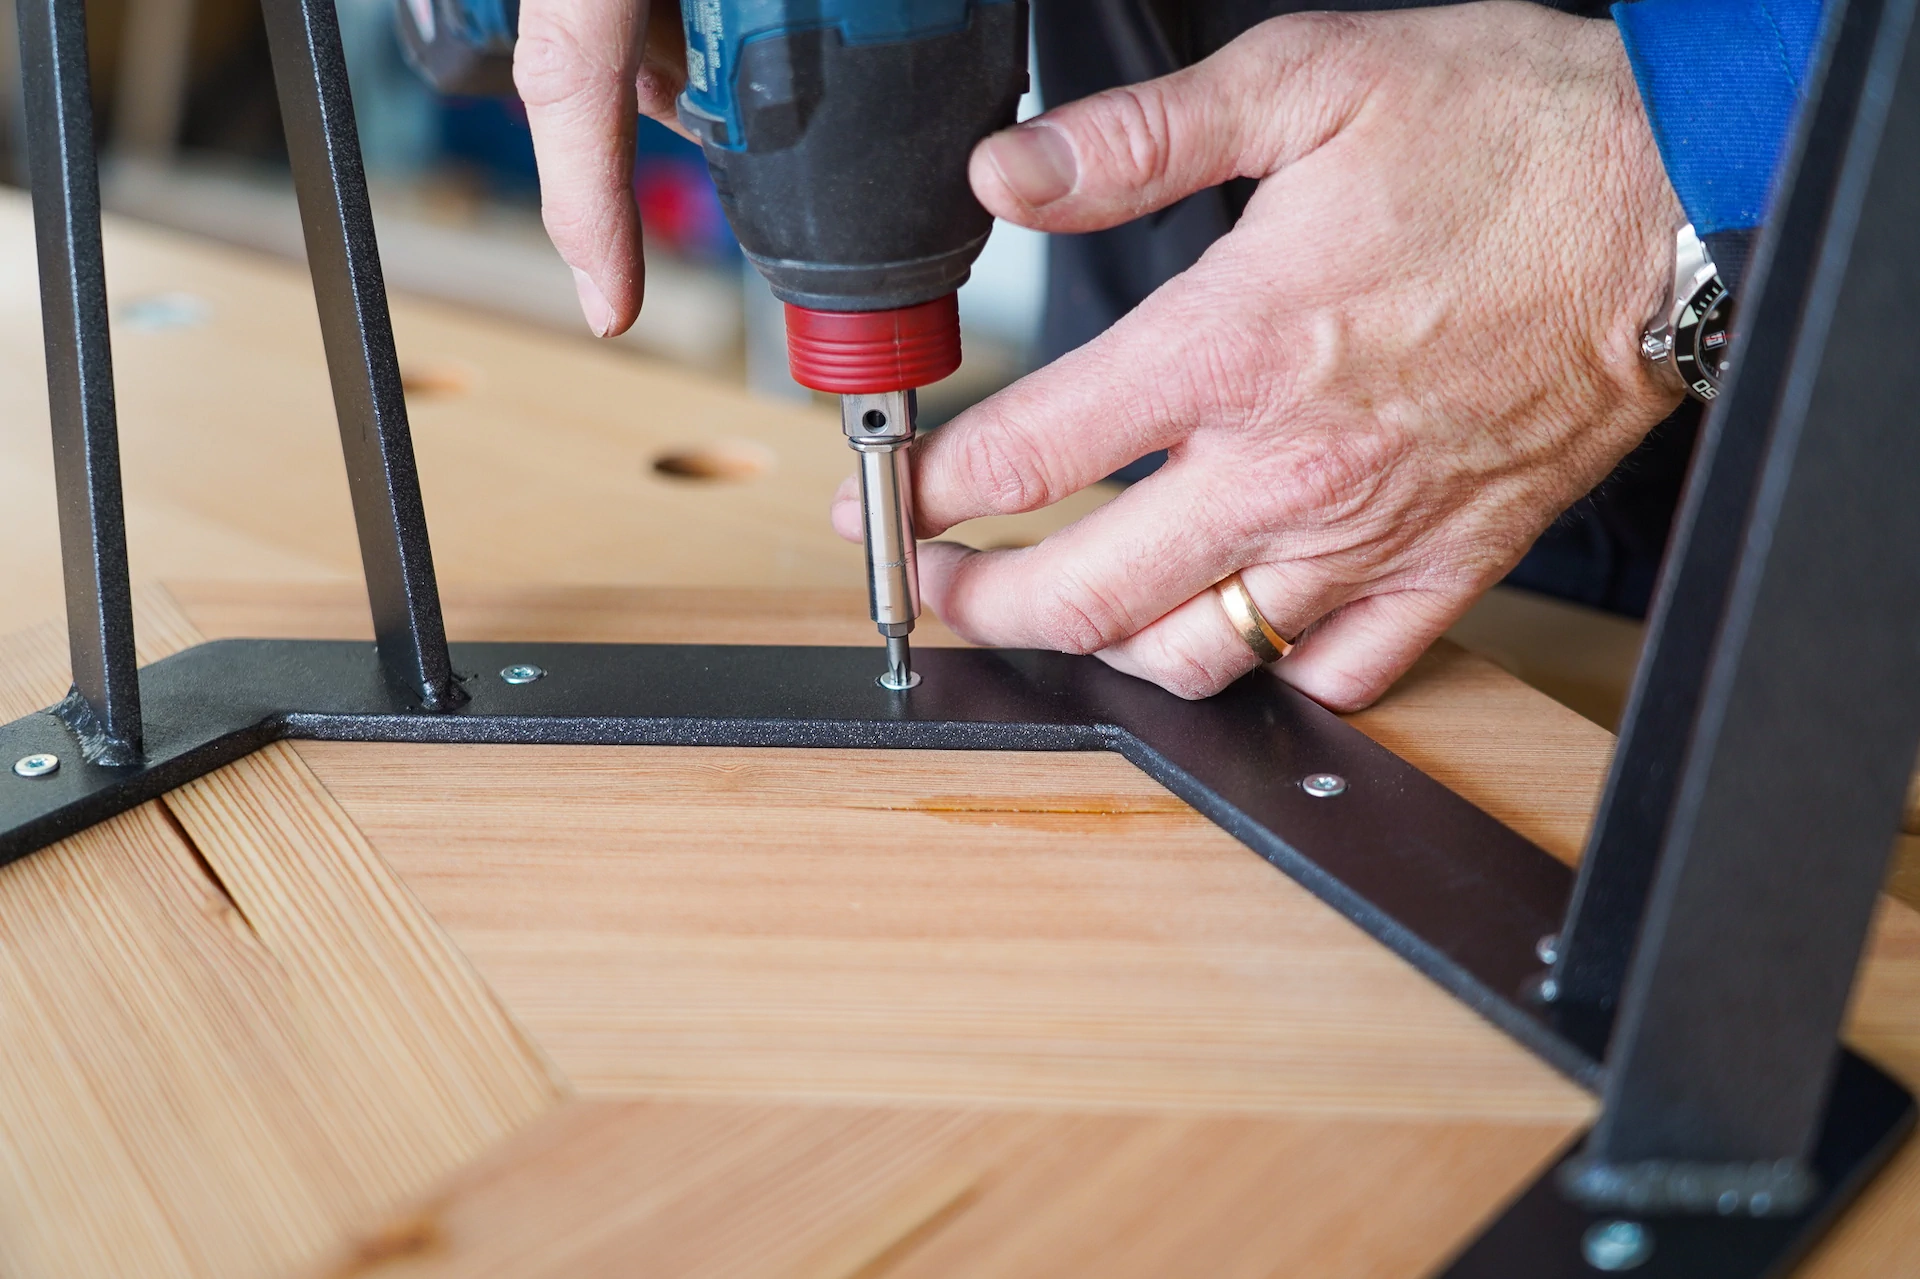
(1692, 333)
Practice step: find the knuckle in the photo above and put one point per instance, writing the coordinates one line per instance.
(1185, 673)
(1079, 619)
(1316, 27)
(1133, 131)
(570, 225)
(552, 66)
(1344, 691)
(1344, 478)
(1294, 37)
(659, 90)
(1005, 468)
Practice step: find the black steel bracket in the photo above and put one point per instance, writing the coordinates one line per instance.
(1694, 975)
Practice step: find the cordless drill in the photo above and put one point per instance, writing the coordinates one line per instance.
(838, 134)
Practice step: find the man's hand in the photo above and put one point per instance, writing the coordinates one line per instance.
(587, 70)
(1418, 346)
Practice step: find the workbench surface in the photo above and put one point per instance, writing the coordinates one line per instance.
(398, 1010)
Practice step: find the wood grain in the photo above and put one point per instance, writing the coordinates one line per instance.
(937, 926)
(860, 1192)
(1051, 939)
(231, 1033)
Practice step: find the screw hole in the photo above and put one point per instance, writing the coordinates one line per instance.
(874, 420)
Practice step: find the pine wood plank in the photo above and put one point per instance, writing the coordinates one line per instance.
(723, 956)
(1002, 928)
(226, 1048)
(859, 1192)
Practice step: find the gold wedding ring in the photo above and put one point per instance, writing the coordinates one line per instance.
(1266, 643)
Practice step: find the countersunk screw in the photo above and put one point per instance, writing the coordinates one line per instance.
(1323, 785)
(1616, 1245)
(522, 673)
(31, 766)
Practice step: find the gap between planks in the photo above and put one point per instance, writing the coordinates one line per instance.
(233, 1034)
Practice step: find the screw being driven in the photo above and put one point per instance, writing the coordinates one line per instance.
(1323, 785)
(900, 675)
(40, 765)
(1616, 1245)
(522, 673)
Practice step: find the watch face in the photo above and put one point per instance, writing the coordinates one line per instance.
(1703, 339)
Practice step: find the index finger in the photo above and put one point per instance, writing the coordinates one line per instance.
(575, 64)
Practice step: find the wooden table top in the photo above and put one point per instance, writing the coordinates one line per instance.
(393, 1010)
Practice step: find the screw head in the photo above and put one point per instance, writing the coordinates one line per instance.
(1323, 785)
(40, 765)
(1616, 1245)
(1547, 949)
(522, 673)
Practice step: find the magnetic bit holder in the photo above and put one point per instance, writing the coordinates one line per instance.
(1705, 1090)
(880, 429)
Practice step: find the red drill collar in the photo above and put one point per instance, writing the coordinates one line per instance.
(870, 352)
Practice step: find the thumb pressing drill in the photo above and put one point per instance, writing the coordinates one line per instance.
(837, 133)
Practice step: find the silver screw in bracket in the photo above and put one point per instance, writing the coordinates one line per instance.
(522, 673)
(1616, 1245)
(40, 765)
(1548, 949)
(1323, 785)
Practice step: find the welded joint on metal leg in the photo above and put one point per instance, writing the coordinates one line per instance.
(97, 745)
(1755, 1188)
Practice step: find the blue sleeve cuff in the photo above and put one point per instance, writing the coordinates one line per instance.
(1720, 80)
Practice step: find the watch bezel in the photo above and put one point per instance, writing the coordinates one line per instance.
(1688, 330)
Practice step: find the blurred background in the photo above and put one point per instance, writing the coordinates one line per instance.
(190, 138)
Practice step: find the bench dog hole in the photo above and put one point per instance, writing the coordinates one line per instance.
(435, 379)
(730, 462)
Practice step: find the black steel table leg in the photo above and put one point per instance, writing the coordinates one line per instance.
(1809, 720)
(1617, 870)
(316, 109)
(104, 709)
(1732, 1124)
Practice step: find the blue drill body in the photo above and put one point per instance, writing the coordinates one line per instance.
(837, 131)
(718, 30)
